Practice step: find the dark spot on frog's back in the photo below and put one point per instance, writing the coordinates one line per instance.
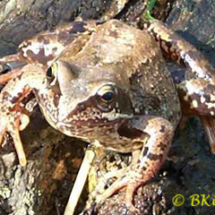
(5, 96)
(81, 107)
(40, 57)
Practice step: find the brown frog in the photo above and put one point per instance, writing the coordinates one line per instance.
(107, 83)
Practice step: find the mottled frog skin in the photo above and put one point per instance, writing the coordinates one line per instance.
(108, 84)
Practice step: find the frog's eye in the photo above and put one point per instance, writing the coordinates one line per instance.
(107, 94)
(51, 74)
(106, 98)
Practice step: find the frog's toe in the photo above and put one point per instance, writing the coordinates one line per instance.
(130, 190)
(18, 143)
(125, 180)
(13, 125)
(116, 186)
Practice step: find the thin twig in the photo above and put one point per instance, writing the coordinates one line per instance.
(79, 182)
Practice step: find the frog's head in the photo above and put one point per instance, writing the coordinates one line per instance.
(89, 102)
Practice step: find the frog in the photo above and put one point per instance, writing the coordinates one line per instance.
(107, 83)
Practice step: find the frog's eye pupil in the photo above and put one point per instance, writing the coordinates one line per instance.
(108, 96)
(49, 72)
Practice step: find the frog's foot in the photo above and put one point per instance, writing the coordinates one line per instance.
(131, 181)
(13, 123)
(131, 178)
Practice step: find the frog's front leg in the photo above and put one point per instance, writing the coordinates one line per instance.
(160, 133)
(13, 114)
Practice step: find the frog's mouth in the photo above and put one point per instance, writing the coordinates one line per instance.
(92, 121)
(90, 128)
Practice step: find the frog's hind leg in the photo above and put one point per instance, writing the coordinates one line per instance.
(181, 52)
(197, 97)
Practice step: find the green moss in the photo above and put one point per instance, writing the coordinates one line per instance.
(149, 8)
(150, 5)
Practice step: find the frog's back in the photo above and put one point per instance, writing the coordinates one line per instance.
(137, 62)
